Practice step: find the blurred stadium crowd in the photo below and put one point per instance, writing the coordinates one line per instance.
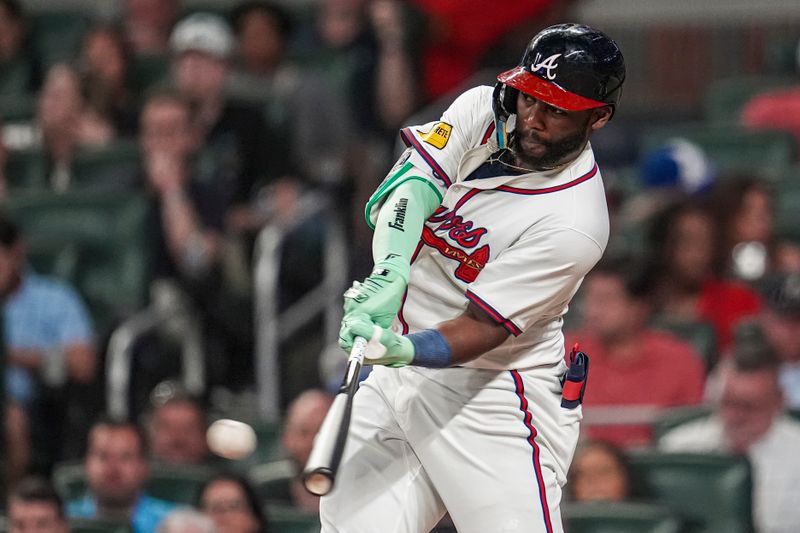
(149, 151)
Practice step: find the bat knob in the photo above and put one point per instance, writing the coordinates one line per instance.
(318, 482)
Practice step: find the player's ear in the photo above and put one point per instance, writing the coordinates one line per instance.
(600, 116)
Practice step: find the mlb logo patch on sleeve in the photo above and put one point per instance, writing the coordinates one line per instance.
(438, 136)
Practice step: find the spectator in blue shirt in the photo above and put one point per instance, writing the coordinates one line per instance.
(49, 342)
(117, 472)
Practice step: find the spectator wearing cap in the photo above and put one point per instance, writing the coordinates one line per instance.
(748, 419)
(781, 322)
(675, 170)
(242, 151)
(238, 157)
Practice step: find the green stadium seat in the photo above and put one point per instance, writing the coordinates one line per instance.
(17, 108)
(97, 525)
(26, 170)
(711, 493)
(221, 8)
(725, 98)
(57, 35)
(175, 484)
(148, 71)
(15, 77)
(178, 484)
(109, 168)
(284, 519)
(787, 210)
(272, 481)
(108, 234)
(618, 517)
(701, 335)
(269, 442)
(769, 153)
(677, 416)
(69, 480)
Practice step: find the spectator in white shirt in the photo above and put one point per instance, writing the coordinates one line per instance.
(748, 420)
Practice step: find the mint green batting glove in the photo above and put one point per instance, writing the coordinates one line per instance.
(381, 294)
(385, 347)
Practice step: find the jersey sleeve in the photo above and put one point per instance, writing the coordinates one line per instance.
(434, 150)
(535, 278)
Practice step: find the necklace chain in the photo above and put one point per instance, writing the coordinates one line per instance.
(497, 157)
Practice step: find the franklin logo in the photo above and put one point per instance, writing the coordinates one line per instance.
(399, 214)
(548, 65)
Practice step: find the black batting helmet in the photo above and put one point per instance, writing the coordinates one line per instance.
(569, 66)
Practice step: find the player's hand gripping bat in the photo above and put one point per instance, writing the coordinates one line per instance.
(319, 474)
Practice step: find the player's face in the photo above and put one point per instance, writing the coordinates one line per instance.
(547, 136)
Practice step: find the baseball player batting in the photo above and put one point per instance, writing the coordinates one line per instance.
(484, 230)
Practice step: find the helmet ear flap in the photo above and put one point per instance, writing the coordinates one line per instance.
(504, 104)
(510, 99)
(505, 101)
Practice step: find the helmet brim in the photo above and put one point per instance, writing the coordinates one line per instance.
(521, 79)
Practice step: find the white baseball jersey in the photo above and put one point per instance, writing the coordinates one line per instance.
(517, 246)
(490, 441)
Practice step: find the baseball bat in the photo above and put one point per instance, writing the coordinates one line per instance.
(319, 474)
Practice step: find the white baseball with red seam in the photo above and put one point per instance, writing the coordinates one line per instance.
(231, 439)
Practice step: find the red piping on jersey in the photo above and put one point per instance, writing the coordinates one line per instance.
(519, 388)
(463, 200)
(410, 140)
(488, 133)
(492, 312)
(577, 181)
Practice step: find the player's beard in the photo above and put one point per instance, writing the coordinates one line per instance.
(557, 152)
